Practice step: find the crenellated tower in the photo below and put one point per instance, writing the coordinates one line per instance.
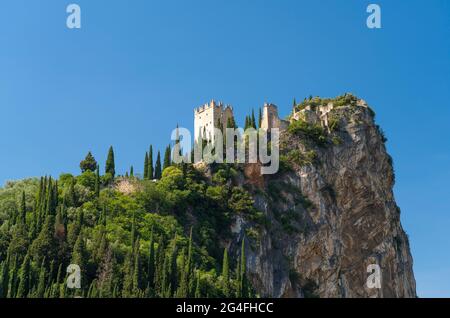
(209, 116)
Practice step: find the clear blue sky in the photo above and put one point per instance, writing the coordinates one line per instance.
(137, 68)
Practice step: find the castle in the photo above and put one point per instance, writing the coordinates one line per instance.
(215, 115)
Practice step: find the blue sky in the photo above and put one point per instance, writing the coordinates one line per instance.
(137, 68)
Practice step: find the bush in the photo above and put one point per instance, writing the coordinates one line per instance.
(313, 132)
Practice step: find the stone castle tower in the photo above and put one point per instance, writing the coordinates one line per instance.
(270, 118)
(208, 116)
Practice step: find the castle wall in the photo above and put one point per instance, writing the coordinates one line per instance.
(270, 117)
(209, 116)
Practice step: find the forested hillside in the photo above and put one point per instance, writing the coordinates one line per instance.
(160, 235)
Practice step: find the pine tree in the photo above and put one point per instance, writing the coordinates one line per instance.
(24, 278)
(150, 172)
(110, 166)
(89, 163)
(146, 167)
(167, 160)
(158, 166)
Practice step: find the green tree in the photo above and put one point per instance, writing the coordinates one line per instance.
(253, 120)
(158, 171)
(146, 167)
(260, 118)
(110, 166)
(226, 273)
(23, 209)
(151, 262)
(4, 278)
(79, 257)
(137, 275)
(167, 160)
(242, 272)
(150, 172)
(40, 292)
(89, 163)
(13, 280)
(97, 182)
(24, 278)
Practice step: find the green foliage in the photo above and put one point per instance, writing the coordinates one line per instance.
(110, 166)
(339, 101)
(312, 132)
(89, 163)
(162, 240)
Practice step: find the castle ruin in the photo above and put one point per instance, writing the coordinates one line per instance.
(209, 116)
(216, 115)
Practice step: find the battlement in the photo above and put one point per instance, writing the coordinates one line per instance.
(209, 116)
(210, 105)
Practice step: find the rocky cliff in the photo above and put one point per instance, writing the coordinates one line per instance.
(331, 210)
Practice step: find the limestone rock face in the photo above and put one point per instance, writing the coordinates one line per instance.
(330, 219)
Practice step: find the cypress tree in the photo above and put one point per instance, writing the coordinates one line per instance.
(150, 172)
(151, 262)
(4, 279)
(23, 209)
(137, 275)
(24, 278)
(182, 288)
(188, 266)
(131, 171)
(97, 182)
(41, 283)
(13, 281)
(242, 272)
(158, 166)
(253, 120)
(226, 273)
(167, 160)
(110, 166)
(146, 167)
(160, 255)
(128, 272)
(133, 231)
(45, 244)
(197, 286)
(79, 257)
(259, 118)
